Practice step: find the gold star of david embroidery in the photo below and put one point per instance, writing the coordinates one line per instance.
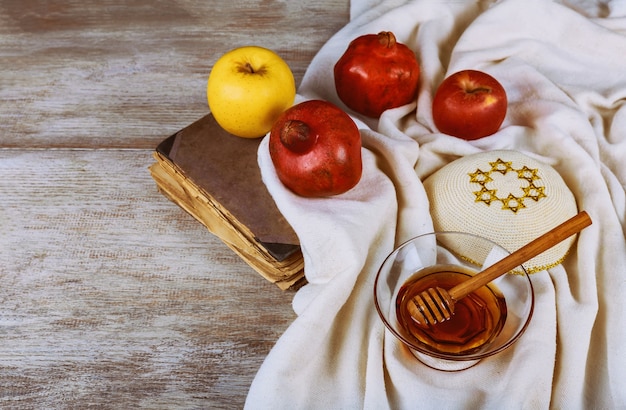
(528, 174)
(513, 203)
(486, 195)
(501, 166)
(480, 177)
(510, 202)
(534, 192)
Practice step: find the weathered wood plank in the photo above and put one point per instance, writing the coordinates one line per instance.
(111, 296)
(126, 74)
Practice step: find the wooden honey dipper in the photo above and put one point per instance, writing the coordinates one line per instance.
(436, 304)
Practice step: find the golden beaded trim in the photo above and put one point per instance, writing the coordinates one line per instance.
(530, 271)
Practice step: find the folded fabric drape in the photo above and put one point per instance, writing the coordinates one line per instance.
(563, 65)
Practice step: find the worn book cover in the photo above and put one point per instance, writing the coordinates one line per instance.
(215, 177)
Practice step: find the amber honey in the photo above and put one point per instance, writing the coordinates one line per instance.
(478, 318)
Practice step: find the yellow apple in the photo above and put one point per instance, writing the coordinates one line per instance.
(248, 88)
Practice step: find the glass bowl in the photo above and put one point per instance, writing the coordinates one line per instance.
(484, 323)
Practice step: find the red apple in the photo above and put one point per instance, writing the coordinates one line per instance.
(316, 149)
(469, 104)
(376, 73)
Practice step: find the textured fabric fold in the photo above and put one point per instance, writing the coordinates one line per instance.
(563, 67)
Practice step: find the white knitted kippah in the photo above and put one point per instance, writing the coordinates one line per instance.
(504, 196)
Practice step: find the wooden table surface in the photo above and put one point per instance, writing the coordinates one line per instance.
(110, 295)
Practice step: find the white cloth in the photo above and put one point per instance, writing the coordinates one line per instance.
(563, 65)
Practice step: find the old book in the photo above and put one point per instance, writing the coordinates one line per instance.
(214, 176)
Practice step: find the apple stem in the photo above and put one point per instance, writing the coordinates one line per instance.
(479, 90)
(387, 39)
(473, 87)
(248, 68)
(296, 136)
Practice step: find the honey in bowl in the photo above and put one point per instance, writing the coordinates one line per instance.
(477, 320)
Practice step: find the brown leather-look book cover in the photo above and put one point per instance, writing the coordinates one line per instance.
(225, 168)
